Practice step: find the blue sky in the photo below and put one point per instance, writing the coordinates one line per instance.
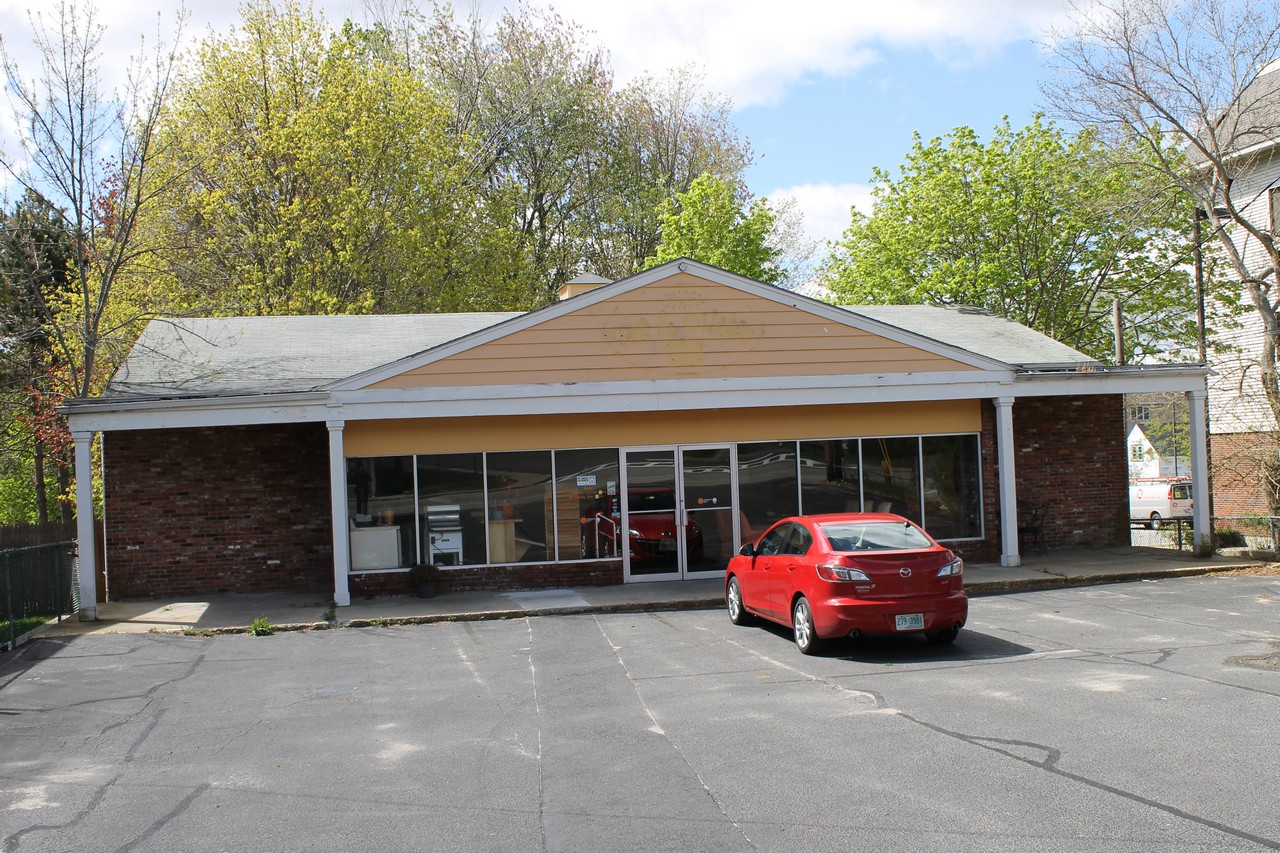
(825, 89)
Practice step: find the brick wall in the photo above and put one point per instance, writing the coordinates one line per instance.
(197, 511)
(247, 508)
(1238, 479)
(1072, 462)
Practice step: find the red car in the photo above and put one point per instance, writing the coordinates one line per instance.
(828, 576)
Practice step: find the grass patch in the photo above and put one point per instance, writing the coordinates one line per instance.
(261, 627)
(22, 625)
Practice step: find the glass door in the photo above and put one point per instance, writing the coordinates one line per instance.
(706, 487)
(650, 516)
(678, 512)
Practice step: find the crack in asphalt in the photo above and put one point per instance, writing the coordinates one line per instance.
(1049, 756)
(662, 732)
(1049, 764)
(14, 840)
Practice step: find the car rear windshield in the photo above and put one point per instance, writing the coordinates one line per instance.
(874, 536)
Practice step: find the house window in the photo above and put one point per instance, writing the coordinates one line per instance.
(521, 519)
(1141, 414)
(891, 476)
(588, 508)
(952, 489)
(767, 486)
(829, 479)
(1273, 199)
(451, 504)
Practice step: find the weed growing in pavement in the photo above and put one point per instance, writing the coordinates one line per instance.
(332, 612)
(260, 627)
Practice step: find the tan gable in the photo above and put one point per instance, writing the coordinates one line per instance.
(681, 327)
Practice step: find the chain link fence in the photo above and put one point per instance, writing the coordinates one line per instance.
(38, 578)
(1254, 534)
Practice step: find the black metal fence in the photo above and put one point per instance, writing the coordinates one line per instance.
(38, 578)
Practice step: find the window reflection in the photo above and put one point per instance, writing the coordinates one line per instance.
(952, 491)
(451, 506)
(520, 519)
(380, 512)
(829, 476)
(891, 476)
(588, 509)
(767, 485)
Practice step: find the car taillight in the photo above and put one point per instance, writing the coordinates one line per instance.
(837, 572)
(952, 569)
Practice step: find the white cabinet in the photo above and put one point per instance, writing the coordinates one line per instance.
(375, 547)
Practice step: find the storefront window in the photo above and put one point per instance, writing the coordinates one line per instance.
(380, 509)
(891, 476)
(451, 506)
(952, 495)
(588, 509)
(766, 485)
(829, 476)
(521, 520)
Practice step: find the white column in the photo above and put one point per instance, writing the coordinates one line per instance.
(341, 530)
(1200, 521)
(1008, 483)
(88, 562)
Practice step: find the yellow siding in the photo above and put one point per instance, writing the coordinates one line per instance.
(461, 435)
(682, 327)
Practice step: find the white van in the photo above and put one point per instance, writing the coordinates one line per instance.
(1152, 502)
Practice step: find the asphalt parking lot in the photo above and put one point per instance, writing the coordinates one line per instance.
(1130, 717)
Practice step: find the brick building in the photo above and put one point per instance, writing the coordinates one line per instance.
(636, 430)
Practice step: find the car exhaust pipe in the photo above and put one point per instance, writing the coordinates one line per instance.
(855, 634)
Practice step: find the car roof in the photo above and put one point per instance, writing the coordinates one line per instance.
(852, 517)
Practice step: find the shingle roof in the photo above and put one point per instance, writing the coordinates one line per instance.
(227, 356)
(1252, 121)
(980, 332)
(216, 356)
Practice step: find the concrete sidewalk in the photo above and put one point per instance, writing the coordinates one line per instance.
(234, 613)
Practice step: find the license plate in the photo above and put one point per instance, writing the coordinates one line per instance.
(909, 622)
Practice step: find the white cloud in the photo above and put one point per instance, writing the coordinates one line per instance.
(826, 207)
(753, 50)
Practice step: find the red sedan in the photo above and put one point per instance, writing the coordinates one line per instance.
(846, 575)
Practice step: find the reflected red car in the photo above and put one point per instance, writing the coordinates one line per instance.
(848, 575)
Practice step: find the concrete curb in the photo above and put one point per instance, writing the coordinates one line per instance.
(1046, 580)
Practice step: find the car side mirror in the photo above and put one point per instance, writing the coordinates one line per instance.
(747, 550)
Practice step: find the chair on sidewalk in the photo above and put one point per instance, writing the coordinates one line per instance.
(1030, 528)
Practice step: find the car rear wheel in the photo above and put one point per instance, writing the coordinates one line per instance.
(1155, 521)
(943, 638)
(802, 624)
(738, 614)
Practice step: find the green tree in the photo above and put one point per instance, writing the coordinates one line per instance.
(36, 281)
(663, 133)
(87, 151)
(312, 172)
(709, 224)
(1037, 225)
